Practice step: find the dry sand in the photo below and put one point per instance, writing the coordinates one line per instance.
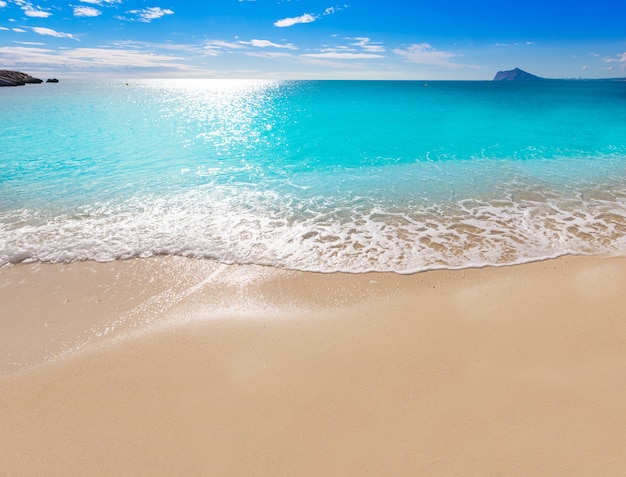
(170, 366)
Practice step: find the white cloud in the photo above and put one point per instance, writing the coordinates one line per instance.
(115, 57)
(337, 55)
(19, 30)
(267, 43)
(621, 58)
(100, 2)
(142, 45)
(3, 4)
(151, 13)
(35, 12)
(30, 43)
(424, 54)
(367, 45)
(332, 64)
(269, 54)
(86, 12)
(216, 47)
(222, 44)
(287, 22)
(333, 10)
(31, 10)
(54, 33)
(4, 28)
(18, 55)
(307, 17)
(360, 48)
(84, 58)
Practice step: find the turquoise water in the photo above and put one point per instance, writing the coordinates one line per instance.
(313, 175)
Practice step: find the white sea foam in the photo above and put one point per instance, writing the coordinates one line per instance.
(248, 226)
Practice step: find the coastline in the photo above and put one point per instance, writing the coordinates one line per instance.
(186, 367)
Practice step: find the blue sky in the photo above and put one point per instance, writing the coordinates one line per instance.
(313, 39)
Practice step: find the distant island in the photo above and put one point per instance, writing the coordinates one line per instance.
(17, 78)
(521, 75)
(516, 75)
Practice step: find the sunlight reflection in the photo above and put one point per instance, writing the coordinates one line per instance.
(228, 121)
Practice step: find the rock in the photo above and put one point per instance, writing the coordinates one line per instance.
(16, 78)
(52, 80)
(515, 75)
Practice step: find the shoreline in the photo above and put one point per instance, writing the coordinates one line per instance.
(182, 366)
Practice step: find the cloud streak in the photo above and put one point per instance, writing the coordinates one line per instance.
(338, 55)
(287, 22)
(149, 14)
(359, 48)
(425, 54)
(307, 17)
(621, 58)
(54, 33)
(273, 55)
(90, 59)
(86, 12)
(267, 43)
(217, 47)
(101, 2)
(367, 45)
(31, 10)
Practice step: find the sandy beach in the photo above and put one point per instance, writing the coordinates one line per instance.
(172, 366)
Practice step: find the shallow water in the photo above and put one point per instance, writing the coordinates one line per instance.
(323, 175)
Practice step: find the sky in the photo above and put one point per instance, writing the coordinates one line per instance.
(313, 39)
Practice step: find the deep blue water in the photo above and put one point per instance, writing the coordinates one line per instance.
(313, 175)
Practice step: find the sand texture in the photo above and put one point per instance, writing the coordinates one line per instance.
(171, 366)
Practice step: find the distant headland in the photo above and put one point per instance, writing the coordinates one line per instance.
(516, 75)
(17, 78)
(521, 75)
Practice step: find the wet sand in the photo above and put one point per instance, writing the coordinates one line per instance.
(171, 366)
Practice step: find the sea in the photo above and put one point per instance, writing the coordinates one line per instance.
(324, 176)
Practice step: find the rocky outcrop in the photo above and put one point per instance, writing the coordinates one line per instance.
(515, 75)
(16, 78)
